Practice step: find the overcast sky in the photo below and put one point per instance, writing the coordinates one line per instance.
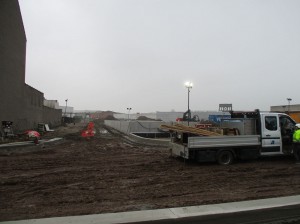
(115, 54)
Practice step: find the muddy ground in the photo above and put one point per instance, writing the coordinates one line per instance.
(108, 173)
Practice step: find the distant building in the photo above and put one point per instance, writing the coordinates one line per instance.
(19, 102)
(67, 111)
(286, 108)
(292, 110)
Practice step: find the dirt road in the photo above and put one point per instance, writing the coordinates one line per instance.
(110, 174)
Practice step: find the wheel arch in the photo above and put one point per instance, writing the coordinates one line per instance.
(219, 150)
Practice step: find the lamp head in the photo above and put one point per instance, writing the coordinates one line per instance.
(188, 84)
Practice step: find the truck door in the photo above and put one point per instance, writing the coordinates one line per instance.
(271, 136)
(286, 128)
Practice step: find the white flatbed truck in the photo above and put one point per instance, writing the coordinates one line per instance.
(260, 134)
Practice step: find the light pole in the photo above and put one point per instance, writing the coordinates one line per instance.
(66, 107)
(129, 109)
(289, 101)
(189, 85)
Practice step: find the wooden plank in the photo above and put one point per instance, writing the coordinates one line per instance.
(187, 129)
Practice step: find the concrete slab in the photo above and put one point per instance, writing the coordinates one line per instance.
(172, 213)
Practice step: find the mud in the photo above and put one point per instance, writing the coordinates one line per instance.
(108, 173)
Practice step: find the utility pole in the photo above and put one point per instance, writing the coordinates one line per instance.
(66, 107)
(189, 85)
(289, 101)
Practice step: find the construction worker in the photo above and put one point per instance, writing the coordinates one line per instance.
(296, 141)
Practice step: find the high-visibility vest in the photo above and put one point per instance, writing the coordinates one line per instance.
(296, 136)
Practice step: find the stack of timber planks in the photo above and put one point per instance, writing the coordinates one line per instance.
(187, 129)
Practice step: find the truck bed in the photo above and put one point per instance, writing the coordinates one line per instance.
(223, 141)
(200, 143)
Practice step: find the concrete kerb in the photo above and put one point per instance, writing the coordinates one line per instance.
(232, 207)
(29, 143)
(171, 213)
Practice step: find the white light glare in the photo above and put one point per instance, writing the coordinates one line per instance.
(188, 84)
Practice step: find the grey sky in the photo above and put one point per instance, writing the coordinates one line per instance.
(114, 54)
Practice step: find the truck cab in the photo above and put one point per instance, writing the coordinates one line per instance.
(276, 133)
(275, 129)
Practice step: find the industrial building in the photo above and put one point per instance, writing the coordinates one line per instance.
(292, 110)
(19, 102)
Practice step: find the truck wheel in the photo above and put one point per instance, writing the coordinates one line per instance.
(225, 157)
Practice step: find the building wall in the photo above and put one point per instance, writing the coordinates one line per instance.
(51, 116)
(51, 103)
(286, 108)
(12, 60)
(19, 102)
(135, 126)
(32, 111)
(295, 116)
